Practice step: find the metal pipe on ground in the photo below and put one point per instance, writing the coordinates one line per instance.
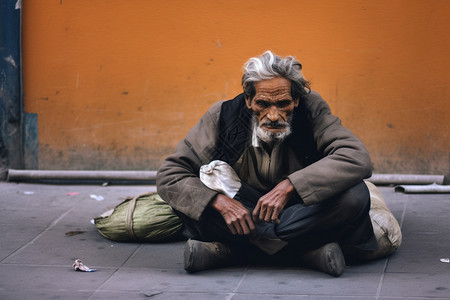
(413, 179)
(423, 189)
(150, 176)
(83, 176)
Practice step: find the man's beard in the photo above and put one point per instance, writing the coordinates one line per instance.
(272, 137)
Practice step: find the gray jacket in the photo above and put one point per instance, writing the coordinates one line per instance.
(345, 162)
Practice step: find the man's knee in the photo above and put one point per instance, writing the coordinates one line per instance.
(356, 200)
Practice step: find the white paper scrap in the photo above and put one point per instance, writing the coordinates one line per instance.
(97, 197)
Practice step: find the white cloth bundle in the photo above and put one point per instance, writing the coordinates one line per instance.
(221, 177)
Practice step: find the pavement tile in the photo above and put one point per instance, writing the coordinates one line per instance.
(417, 244)
(395, 201)
(374, 266)
(19, 226)
(55, 248)
(415, 298)
(44, 294)
(416, 261)
(428, 205)
(45, 278)
(426, 229)
(12, 239)
(308, 282)
(37, 196)
(214, 281)
(416, 285)
(158, 256)
(159, 295)
(34, 198)
(299, 297)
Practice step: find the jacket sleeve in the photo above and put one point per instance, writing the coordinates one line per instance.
(177, 179)
(345, 159)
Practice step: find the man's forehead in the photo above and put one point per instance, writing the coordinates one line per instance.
(273, 91)
(275, 86)
(279, 89)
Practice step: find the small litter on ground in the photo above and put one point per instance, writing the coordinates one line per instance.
(79, 266)
(97, 197)
(75, 232)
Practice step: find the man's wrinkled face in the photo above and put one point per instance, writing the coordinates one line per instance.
(272, 106)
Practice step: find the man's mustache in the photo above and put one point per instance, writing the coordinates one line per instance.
(276, 124)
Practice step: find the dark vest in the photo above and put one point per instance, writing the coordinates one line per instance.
(235, 132)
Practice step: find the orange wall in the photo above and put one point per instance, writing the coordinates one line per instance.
(116, 84)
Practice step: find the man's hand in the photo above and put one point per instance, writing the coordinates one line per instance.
(237, 217)
(271, 204)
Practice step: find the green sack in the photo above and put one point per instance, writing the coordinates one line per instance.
(145, 218)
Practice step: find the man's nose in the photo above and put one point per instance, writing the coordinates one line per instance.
(273, 115)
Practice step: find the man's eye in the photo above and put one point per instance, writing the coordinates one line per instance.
(262, 104)
(284, 103)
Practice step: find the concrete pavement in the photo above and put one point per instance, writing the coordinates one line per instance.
(45, 227)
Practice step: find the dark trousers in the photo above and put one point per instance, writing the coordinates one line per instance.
(343, 219)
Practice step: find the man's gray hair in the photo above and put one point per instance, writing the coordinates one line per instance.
(268, 66)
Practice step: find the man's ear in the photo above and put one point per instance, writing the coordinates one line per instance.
(296, 102)
(248, 101)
